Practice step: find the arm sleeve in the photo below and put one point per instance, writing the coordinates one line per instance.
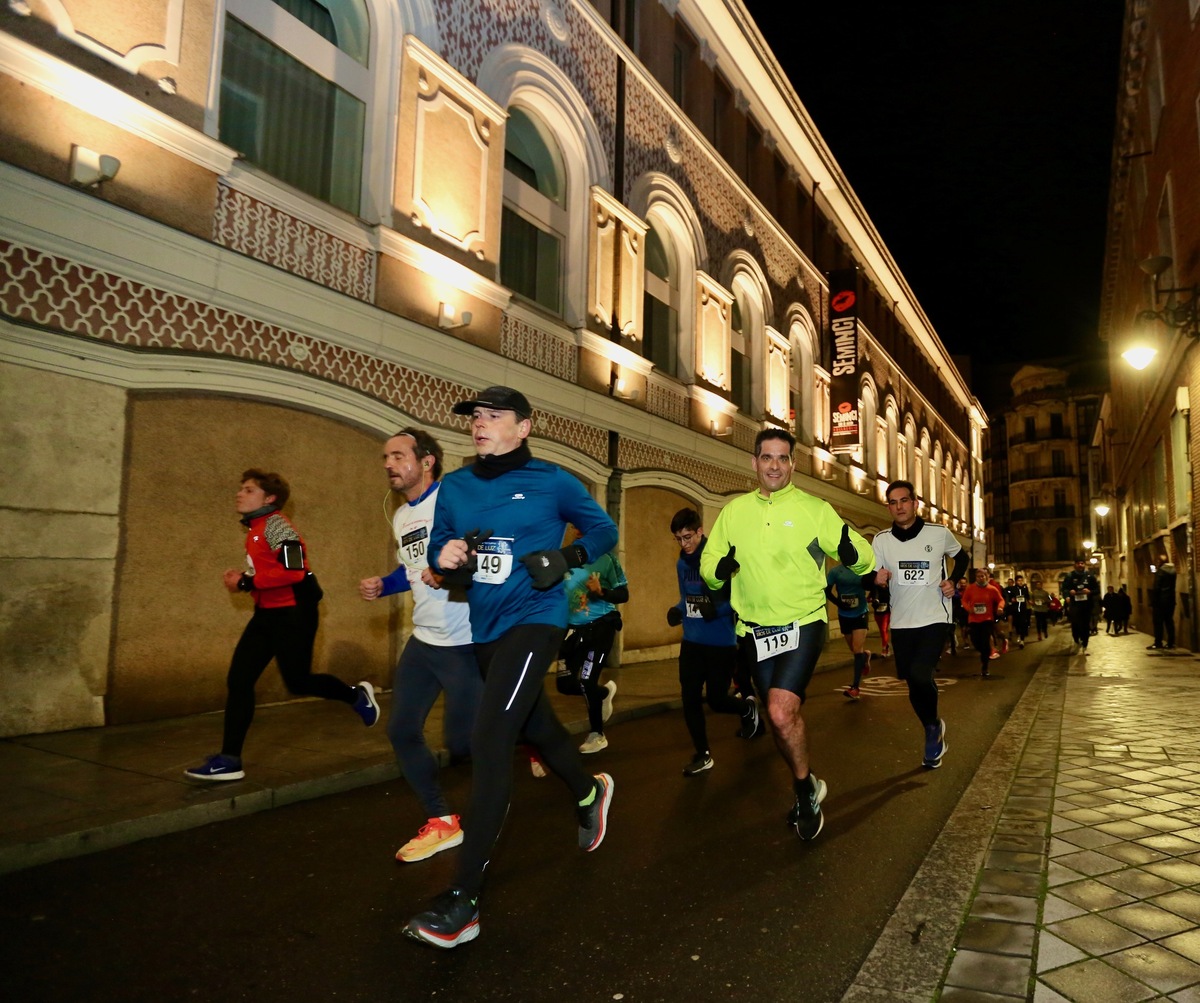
(578, 508)
(961, 560)
(277, 532)
(830, 535)
(443, 527)
(716, 548)
(397, 581)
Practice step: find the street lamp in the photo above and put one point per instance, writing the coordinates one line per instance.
(1089, 545)
(1101, 510)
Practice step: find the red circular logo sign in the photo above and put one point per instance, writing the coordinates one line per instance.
(843, 301)
(845, 407)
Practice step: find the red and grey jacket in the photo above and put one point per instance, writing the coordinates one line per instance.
(272, 584)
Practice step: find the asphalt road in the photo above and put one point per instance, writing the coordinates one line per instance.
(700, 891)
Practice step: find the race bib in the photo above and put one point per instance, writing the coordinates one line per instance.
(772, 641)
(495, 557)
(697, 605)
(848, 602)
(980, 608)
(413, 545)
(914, 572)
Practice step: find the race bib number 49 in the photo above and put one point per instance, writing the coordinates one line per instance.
(772, 641)
(495, 558)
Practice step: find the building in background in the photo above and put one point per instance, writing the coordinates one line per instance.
(248, 232)
(1148, 318)
(1041, 472)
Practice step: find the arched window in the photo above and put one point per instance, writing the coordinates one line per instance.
(868, 450)
(747, 343)
(803, 382)
(534, 224)
(294, 92)
(1035, 546)
(661, 302)
(892, 416)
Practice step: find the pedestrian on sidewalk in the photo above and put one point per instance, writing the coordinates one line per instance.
(1162, 603)
(593, 592)
(1081, 587)
(438, 657)
(763, 543)
(983, 603)
(1109, 605)
(911, 560)
(848, 593)
(1124, 610)
(708, 653)
(498, 529)
(283, 626)
(1039, 603)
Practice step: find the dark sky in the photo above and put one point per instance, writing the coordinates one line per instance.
(978, 135)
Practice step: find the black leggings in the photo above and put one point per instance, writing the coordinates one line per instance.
(584, 653)
(704, 667)
(981, 639)
(1080, 615)
(917, 650)
(285, 634)
(514, 706)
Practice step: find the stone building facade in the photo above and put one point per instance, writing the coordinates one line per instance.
(246, 232)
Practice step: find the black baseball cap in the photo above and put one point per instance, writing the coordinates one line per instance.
(498, 399)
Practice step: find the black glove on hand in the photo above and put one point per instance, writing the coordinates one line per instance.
(846, 552)
(674, 617)
(460, 577)
(547, 567)
(727, 565)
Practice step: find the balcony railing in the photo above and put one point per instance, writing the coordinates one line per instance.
(1043, 512)
(1038, 473)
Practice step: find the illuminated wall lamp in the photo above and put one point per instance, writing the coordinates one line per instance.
(1101, 510)
(89, 168)
(620, 389)
(449, 318)
(719, 433)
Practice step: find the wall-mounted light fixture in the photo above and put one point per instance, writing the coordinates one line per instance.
(1181, 314)
(449, 318)
(1101, 509)
(720, 433)
(618, 387)
(89, 168)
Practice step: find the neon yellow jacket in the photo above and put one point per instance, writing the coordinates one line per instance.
(782, 541)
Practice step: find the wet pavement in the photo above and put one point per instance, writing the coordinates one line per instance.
(1070, 869)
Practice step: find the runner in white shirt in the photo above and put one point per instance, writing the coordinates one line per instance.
(439, 656)
(911, 562)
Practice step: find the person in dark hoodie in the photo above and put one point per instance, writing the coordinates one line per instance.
(708, 653)
(1162, 603)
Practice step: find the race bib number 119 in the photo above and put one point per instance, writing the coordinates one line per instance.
(772, 641)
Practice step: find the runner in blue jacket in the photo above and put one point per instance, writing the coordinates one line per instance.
(498, 529)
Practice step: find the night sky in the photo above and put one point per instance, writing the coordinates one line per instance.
(978, 136)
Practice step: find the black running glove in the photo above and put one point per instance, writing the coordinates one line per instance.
(547, 567)
(846, 552)
(674, 617)
(727, 565)
(460, 577)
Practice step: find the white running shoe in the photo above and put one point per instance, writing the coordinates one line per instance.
(593, 743)
(606, 707)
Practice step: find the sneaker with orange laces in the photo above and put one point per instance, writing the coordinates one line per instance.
(850, 693)
(436, 835)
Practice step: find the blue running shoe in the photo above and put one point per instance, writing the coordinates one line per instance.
(365, 706)
(935, 745)
(218, 767)
(451, 919)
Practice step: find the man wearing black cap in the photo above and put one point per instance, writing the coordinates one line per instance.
(498, 527)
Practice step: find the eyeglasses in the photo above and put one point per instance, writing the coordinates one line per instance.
(684, 538)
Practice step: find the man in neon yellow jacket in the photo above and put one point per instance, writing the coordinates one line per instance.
(771, 545)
